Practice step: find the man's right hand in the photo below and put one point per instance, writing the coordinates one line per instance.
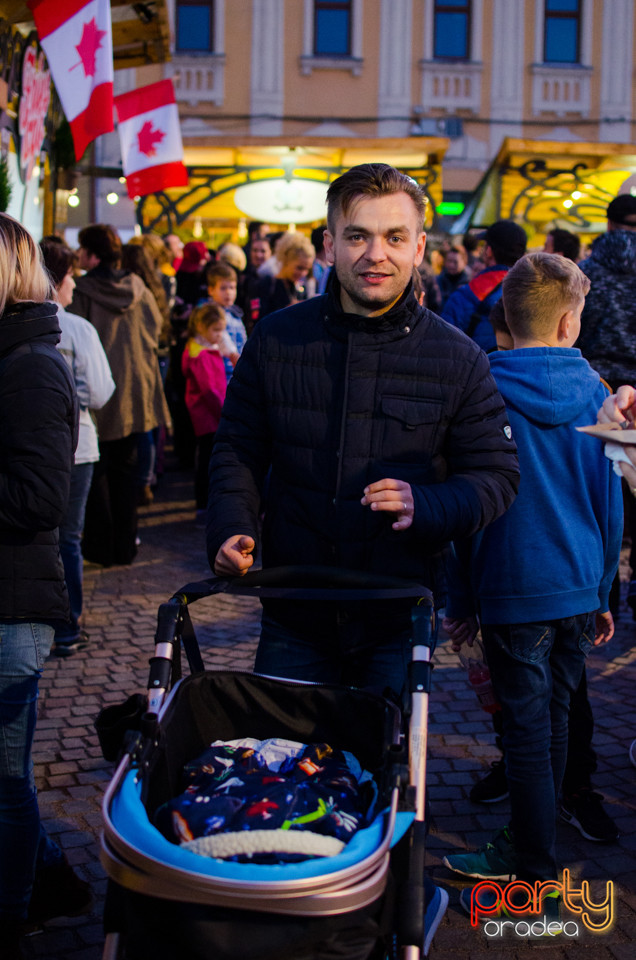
(235, 556)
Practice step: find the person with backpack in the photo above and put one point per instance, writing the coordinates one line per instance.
(469, 307)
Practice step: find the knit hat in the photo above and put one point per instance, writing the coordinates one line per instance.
(195, 253)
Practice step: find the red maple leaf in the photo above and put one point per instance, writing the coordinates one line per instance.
(88, 46)
(148, 138)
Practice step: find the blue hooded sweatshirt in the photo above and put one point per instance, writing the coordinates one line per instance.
(555, 551)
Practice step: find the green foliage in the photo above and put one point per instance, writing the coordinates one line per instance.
(63, 147)
(5, 185)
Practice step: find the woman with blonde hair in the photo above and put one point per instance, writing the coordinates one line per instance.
(38, 435)
(296, 255)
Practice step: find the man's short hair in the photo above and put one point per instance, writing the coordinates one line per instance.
(622, 210)
(372, 180)
(219, 271)
(102, 241)
(507, 240)
(566, 243)
(538, 290)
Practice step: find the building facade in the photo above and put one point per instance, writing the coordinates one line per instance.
(438, 87)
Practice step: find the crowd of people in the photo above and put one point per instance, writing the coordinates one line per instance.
(329, 416)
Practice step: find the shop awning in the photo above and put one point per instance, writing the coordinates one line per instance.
(279, 181)
(543, 184)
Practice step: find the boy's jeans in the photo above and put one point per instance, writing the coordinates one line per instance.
(23, 650)
(535, 669)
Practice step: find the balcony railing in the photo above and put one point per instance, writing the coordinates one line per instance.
(198, 79)
(560, 90)
(451, 86)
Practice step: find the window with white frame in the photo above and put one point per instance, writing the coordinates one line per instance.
(451, 29)
(562, 31)
(332, 35)
(194, 26)
(332, 28)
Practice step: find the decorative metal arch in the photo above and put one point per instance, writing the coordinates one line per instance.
(541, 198)
(213, 182)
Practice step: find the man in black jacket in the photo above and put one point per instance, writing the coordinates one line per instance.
(382, 426)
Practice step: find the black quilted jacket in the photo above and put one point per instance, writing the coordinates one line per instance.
(334, 402)
(38, 434)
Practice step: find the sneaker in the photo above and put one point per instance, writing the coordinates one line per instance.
(62, 649)
(57, 892)
(493, 861)
(493, 787)
(433, 916)
(584, 810)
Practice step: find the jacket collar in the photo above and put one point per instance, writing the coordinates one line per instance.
(399, 319)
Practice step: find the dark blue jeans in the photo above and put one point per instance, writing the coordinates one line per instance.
(353, 653)
(23, 650)
(71, 530)
(535, 669)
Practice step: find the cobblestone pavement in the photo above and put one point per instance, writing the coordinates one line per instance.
(120, 611)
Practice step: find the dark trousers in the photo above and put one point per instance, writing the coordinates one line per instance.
(536, 669)
(201, 470)
(110, 528)
(581, 761)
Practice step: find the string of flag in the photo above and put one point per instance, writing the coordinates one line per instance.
(76, 37)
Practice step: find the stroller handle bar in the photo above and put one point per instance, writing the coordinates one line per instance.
(308, 583)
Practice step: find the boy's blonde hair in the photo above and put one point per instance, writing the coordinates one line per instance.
(22, 274)
(203, 317)
(538, 290)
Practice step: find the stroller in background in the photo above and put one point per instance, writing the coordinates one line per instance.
(166, 903)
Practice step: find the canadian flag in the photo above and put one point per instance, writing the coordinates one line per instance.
(76, 37)
(150, 139)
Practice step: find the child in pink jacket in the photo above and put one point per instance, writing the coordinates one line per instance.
(204, 371)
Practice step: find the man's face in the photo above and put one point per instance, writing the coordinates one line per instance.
(548, 246)
(259, 252)
(374, 248)
(86, 260)
(175, 245)
(453, 263)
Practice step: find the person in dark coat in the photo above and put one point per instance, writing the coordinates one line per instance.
(38, 434)
(384, 430)
(384, 437)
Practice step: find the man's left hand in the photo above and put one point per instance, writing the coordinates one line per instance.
(392, 496)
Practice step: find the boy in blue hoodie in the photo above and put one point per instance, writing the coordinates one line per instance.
(541, 573)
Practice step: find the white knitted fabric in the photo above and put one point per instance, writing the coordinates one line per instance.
(248, 842)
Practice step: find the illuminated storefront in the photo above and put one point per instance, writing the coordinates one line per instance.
(547, 183)
(277, 183)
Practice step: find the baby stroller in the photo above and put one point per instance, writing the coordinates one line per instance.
(164, 902)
